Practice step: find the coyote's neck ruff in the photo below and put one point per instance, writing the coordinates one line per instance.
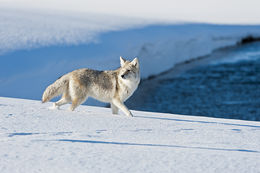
(113, 87)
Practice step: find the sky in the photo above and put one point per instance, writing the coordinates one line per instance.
(210, 11)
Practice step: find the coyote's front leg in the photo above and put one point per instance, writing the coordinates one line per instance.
(114, 108)
(122, 107)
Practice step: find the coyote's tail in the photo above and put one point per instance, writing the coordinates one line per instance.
(55, 89)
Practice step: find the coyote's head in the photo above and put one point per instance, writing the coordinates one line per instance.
(129, 70)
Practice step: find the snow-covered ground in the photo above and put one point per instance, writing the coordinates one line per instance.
(41, 40)
(27, 28)
(34, 138)
(221, 11)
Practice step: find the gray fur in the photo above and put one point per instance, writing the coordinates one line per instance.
(90, 77)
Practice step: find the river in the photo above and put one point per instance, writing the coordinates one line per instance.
(225, 84)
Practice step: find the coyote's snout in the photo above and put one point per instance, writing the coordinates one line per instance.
(113, 87)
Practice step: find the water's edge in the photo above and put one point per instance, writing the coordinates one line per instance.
(150, 85)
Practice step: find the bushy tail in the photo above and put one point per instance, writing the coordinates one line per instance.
(55, 89)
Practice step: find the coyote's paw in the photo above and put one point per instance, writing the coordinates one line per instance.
(71, 109)
(54, 106)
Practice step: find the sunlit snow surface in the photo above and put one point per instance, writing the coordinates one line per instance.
(34, 138)
(32, 28)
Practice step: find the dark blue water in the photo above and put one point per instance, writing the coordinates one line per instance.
(228, 87)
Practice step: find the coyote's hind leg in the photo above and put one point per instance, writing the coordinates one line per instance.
(64, 100)
(78, 93)
(76, 102)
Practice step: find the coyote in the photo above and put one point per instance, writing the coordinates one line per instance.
(113, 87)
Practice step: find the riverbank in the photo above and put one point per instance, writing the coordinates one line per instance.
(224, 84)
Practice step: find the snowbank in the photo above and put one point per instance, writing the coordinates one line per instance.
(91, 139)
(27, 28)
(221, 11)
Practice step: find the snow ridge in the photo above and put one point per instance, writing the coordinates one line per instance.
(91, 139)
(27, 29)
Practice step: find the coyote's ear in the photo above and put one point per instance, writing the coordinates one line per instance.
(135, 62)
(122, 61)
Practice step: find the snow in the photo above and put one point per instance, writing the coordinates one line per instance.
(31, 28)
(221, 11)
(41, 40)
(91, 139)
